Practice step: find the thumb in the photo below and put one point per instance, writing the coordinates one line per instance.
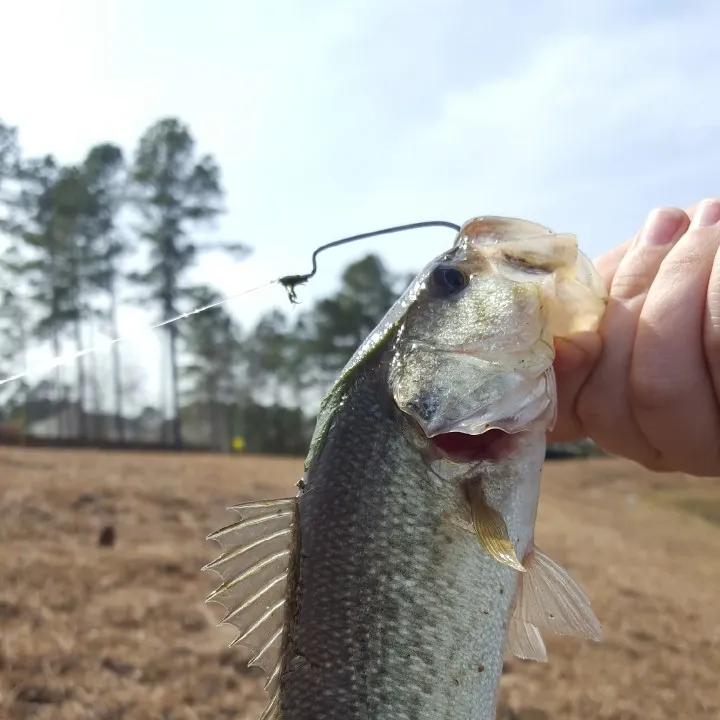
(575, 358)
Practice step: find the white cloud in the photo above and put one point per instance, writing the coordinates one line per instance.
(621, 116)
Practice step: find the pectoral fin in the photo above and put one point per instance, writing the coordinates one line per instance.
(492, 532)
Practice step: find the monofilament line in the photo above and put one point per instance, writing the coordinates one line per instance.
(66, 358)
(289, 282)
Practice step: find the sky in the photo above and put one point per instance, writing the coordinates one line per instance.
(331, 118)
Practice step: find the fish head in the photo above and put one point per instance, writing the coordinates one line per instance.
(474, 353)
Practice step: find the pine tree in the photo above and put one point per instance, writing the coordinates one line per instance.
(174, 191)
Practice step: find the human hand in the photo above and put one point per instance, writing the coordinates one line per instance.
(647, 386)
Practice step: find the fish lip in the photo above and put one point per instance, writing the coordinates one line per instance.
(504, 425)
(534, 412)
(544, 414)
(496, 441)
(495, 229)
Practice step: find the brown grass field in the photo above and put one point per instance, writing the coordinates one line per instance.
(122, 631)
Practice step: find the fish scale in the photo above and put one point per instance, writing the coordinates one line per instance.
(407, 607)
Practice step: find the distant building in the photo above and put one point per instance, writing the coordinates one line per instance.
(202, 426)
(66, 422)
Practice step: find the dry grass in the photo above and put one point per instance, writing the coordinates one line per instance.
(121, 631)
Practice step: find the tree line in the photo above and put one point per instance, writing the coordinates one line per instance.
(82, 240)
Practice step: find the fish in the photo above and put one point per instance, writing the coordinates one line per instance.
(404, 569)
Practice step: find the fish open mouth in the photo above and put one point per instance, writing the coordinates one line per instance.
(493, 445)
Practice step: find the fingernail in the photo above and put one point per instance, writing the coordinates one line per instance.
(661, 227)
(707, 214)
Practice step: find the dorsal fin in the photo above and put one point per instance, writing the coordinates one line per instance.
(254, 567)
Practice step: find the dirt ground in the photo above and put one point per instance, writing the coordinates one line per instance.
(102, 610)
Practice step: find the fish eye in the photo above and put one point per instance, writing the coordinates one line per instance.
(449, 280)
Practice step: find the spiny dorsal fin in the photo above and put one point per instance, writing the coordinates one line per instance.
(271, 709)
(253, 568)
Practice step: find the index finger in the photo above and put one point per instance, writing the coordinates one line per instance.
(608, 262)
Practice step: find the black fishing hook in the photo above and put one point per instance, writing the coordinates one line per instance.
(290, 282)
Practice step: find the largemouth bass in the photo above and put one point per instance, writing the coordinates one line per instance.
(393, 583)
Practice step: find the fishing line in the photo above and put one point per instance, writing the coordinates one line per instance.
(60, 360)
(289, 282)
